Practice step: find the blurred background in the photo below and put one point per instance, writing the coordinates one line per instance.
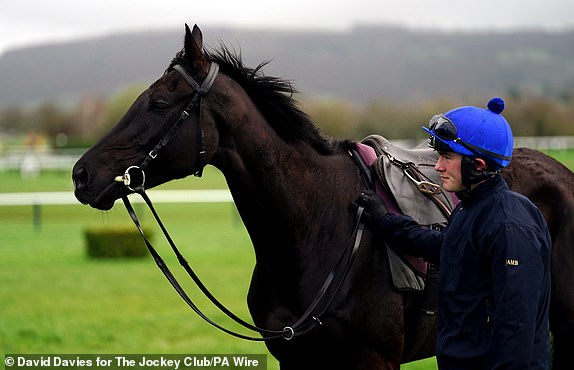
(69, 70)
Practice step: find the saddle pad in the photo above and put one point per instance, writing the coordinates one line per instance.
(410, 200)
(403, 275)
(406, 271)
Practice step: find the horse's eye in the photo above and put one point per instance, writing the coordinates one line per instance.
(159, 104)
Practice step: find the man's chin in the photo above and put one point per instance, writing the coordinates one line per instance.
(449, 186)
(453, 189)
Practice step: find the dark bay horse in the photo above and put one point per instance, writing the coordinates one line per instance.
(293, 188)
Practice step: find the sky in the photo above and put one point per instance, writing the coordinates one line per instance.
(32, 22)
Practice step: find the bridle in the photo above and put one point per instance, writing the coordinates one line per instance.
(200, 92)
(134, 179)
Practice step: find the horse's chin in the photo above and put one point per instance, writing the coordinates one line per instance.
(105, 200)
(102, 205)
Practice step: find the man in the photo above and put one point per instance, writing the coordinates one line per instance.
(494, 255)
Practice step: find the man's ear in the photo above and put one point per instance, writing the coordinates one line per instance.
(479, 164)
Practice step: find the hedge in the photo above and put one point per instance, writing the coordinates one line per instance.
(115, 242)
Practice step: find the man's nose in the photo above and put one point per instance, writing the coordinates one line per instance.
(438, 165)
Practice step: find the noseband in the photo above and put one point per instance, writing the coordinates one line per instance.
(134, 176)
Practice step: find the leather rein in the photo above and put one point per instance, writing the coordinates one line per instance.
(134, 180)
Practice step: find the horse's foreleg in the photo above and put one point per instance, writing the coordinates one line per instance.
(372, 360)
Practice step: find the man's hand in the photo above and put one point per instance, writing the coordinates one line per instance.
(375, 208)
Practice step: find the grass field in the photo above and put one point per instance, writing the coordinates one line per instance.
(53, 299)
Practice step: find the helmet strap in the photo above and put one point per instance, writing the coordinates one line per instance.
(474, 170)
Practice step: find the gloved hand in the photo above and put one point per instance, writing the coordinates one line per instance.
(375, 208)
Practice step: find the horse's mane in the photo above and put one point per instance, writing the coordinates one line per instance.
(274, 98)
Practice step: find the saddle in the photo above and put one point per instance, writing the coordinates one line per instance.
(409, 176)
(408, 184)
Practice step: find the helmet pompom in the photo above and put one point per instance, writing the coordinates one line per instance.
(496, 105)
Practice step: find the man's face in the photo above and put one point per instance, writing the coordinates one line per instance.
(448, 165)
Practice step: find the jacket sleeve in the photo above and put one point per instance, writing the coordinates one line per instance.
(519, 271)
(404, 233)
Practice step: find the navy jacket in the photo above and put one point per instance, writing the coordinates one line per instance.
(494, 283)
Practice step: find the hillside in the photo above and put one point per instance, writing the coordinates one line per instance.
(360, 65)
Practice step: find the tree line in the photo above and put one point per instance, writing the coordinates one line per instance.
(81, 124)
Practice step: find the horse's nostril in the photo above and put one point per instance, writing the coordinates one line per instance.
(81, 177)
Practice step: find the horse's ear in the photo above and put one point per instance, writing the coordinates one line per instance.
(193, 46)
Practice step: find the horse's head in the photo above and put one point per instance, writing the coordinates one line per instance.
(151, 120)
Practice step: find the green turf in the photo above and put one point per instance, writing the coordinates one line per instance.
(56, 300)
(564, 156)
(53, 299)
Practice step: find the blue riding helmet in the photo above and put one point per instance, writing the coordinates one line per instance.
(474, 132)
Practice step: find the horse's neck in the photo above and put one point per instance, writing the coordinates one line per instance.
(283, 182)
(289, 196)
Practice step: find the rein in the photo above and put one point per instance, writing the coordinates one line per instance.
(134, 180)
